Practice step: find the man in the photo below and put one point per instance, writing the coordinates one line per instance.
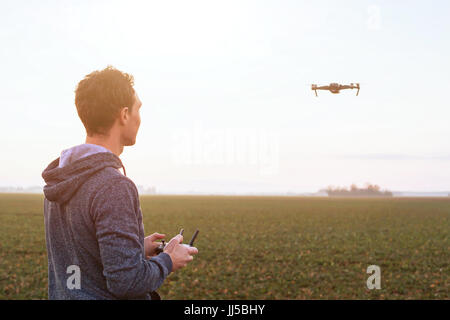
(93, 220)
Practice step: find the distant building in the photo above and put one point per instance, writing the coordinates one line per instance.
(320, 193)
(146, 190)
(32, 189)
(371, 190)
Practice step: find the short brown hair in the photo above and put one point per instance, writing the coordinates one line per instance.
(100, 96)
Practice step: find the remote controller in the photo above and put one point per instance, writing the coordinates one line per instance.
(160, 248)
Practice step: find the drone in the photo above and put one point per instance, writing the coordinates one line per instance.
(335, 87)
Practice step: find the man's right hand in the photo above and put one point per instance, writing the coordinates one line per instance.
(179, 253)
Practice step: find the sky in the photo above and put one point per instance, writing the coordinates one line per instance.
(226, 91)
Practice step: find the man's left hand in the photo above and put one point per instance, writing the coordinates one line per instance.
(150, 244)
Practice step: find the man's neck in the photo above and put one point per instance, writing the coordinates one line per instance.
(108, 142)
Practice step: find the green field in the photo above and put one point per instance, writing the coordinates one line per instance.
(265, 247)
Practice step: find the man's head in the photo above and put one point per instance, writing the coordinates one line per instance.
(108, 105)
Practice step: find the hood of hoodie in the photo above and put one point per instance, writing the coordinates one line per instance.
(64, 175)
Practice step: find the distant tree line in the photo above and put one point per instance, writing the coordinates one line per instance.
(371, 190)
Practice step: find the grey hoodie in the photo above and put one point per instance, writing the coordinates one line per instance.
(93, 221)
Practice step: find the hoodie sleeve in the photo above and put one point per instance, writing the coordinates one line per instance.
(116, 216)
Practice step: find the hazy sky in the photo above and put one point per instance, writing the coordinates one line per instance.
(225, 86)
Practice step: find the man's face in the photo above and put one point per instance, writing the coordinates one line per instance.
(133, 122)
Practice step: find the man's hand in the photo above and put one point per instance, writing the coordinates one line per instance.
(150, 244)
(179, 253)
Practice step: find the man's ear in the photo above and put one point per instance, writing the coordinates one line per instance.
(123, 115)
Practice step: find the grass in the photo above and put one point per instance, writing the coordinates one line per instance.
(265, 247)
